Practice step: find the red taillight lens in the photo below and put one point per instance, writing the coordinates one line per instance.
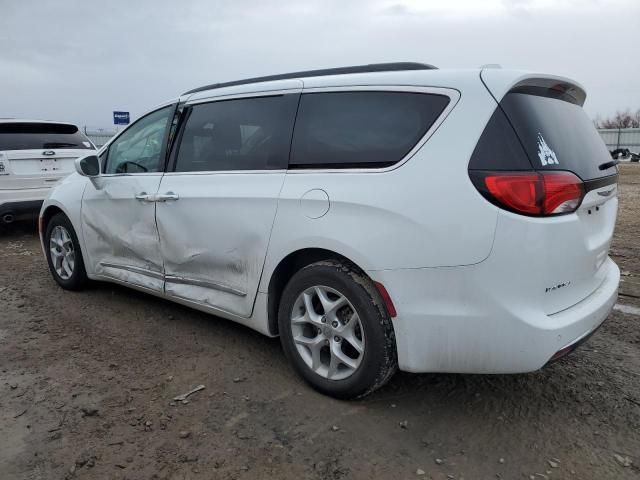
(563, 192)
(531, 193)
(519, 192)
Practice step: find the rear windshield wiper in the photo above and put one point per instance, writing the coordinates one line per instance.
(610, 164)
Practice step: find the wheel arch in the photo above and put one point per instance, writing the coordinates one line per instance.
(286, 268)
(46, 214)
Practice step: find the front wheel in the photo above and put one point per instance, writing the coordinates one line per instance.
(335, 330)
(63, 253)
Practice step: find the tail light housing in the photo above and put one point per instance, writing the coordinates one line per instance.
(537, 194)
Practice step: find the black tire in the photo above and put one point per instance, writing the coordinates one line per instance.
(379, 361)
(78, 278)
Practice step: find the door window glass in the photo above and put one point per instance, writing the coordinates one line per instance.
(243, 134)
(139, 148)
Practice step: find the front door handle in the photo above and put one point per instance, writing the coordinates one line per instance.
(164, 197)
(167, 197)
(144, 197)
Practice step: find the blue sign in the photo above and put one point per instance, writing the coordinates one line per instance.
(121, 118)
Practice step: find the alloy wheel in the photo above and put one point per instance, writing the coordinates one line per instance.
(63, 255)
(327, 332)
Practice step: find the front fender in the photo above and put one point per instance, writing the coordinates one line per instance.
(67, 197)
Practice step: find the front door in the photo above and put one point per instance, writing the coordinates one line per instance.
(219, 201)
(118, 207)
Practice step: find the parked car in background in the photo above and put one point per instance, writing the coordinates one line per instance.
(374, 217)
(34, 156)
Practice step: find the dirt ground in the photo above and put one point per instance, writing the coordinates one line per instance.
(87, 381)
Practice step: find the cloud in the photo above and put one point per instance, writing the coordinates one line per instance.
(80, 60)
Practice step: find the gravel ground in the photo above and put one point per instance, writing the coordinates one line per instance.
(87, 381)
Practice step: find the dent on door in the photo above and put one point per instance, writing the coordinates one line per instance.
(214, 239)
(225, 271)
(219, 278)
(120, 231)
(225, 277)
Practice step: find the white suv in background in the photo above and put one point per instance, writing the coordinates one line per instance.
(34, 156)
(373, 217)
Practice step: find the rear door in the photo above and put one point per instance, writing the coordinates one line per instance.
(36, 155)
(562, 258)
(217, 203)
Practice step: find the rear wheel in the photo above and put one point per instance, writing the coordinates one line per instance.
(335, 330)
(63, 253)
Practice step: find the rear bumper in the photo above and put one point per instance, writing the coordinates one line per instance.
(453, 320)
(29, 208)
(24, 203)
(24, 194)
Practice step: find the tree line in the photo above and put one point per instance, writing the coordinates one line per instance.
(626, 119)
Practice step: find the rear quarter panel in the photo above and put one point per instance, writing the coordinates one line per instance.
(422, 212)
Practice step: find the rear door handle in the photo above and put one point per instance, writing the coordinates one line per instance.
(167, 197)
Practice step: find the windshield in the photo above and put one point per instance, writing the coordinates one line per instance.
(32, 136)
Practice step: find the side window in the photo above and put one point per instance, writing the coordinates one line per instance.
(243, 134)
(361, 129)
(138, 149)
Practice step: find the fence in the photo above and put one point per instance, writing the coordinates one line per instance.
(99, 140)
(99, 136)
(621, 138)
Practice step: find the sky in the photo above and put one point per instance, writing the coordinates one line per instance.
(78, 60)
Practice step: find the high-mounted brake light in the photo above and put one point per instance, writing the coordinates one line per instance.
(531, 193)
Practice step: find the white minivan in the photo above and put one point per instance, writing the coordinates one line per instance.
(34, 156)
(374, 217)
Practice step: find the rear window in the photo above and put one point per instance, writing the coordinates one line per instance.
(30, 136)
(557, 135)
(361, 129)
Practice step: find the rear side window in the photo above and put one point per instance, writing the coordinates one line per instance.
(499, 147)
(243, 134)
(35, 136)
(361, 129)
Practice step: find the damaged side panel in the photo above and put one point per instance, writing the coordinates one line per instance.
(120, 231)
(214, 239)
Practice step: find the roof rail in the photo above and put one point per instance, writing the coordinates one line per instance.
(372, 67)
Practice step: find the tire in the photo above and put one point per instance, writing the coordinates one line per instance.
(361, 324)
(69, 275)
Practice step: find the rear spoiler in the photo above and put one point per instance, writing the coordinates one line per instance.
(547, 87)
(500, 82)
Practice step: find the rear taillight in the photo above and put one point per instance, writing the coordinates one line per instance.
(531, 193)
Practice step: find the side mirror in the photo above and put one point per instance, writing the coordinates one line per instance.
(88, 166)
